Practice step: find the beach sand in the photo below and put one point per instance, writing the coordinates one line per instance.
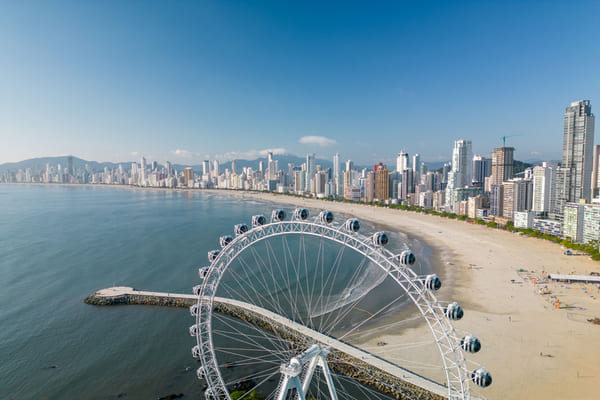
(532, 350)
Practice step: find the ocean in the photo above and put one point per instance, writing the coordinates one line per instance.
(58, 244)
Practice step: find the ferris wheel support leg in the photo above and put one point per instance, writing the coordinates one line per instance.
(290, 383)
(309, 374)
(327, 374)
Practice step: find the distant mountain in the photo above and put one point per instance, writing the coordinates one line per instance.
(39, 164)
(434, 166)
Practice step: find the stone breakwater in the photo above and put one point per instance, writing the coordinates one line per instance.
(338, 361)
(140, 299)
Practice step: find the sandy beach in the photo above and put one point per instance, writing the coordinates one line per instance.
(533, 350)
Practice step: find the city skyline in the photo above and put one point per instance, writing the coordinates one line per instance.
(184, 82)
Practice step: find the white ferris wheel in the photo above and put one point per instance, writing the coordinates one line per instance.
(285, 306)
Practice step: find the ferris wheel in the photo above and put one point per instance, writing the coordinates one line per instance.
(286, 308)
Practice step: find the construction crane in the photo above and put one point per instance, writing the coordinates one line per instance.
(504, 139)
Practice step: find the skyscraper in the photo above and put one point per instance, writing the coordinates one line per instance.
(401, 162)
(271, 172)
(349, 165)
(502, 164)
(543, 187)
(595, 174)
(382, 182)
(143, 171)
(461, 174)
(462, 170)
(311, 169)
(216, 168)
(416, 167)
(188, 177)
(577, 157)
(482, 168)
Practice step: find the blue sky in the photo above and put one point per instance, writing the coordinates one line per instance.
(184, 81)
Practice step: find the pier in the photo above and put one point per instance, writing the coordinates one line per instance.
(362, 366)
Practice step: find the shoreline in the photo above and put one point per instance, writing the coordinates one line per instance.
(533, 350)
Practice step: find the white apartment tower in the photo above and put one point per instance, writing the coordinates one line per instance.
(143, 171)
(401, 162)
(216, 168)
(543, 187)
(461, 174)
(311, 169)
(416, 167)
(337, 177)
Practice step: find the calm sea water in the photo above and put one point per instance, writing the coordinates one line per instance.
(58, 244)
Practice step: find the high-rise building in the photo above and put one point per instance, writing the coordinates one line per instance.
(233, 167)
(502, 164)
(407, 184)
(543, 187)
(349, 165)
(271, 170)
(337, 177)
(401, 162)
(462, 165)
(320, 183)
(462, 171)
(70, 166)
(517, 197)
(216, 168)
(482, 168)
(595, 172)
(577, 157)
(497, 200)
(382, 182)
(416, 167)
(311, 169)
(188, 177)
(370, 187)
(573, 214)
(205, 167)
(143, 171)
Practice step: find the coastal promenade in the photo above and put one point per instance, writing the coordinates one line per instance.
(389, 377)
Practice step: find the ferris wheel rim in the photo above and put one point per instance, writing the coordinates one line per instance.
(454, 363)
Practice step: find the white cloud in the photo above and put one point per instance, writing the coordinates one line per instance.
(535, 153)
(317, 140)
(134, 153)
(182, 153)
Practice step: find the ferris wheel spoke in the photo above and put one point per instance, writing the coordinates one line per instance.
(265, 286)
(371, 317)
(234, 293)
(303, 299)
(263, 292)
(366, 392)
(276, 341)
(331, 279)
(242, 285)
(268, 373)
(338, 305)
(284, 276)
(294, 299)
